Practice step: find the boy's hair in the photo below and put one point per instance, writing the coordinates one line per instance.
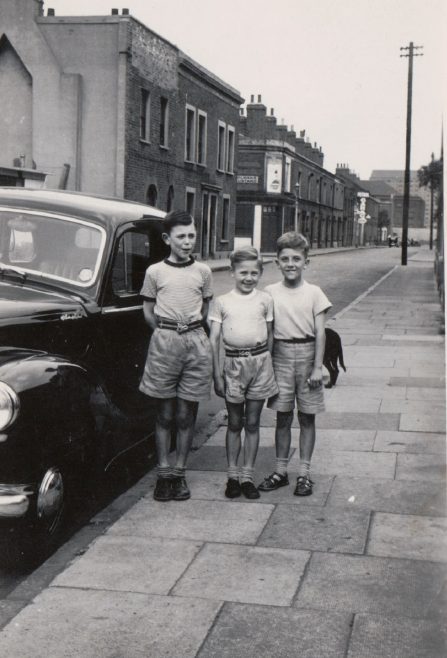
(176, 218)
(292, 240)
(245, 253)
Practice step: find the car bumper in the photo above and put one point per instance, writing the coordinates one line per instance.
(15, 500)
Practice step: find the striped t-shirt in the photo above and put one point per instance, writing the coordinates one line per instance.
(178, 289)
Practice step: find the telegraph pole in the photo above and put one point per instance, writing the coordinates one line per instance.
(406, 205)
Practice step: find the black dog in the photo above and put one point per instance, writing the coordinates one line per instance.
(333, 354)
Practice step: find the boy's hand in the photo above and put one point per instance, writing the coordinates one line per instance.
(316, 378)
(219, 386)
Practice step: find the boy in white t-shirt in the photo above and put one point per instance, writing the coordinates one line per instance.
(244, 318)
(299, 340)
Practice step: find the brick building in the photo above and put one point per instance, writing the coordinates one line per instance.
(282, 184)
(109, 107)
(395, 178)
(367, 207)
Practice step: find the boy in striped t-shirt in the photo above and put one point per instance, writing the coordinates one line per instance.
(178, 367)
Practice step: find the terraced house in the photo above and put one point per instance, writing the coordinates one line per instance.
(104, 105)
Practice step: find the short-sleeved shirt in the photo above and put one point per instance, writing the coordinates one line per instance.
(296, 308)
(243, 317)
(178, 289)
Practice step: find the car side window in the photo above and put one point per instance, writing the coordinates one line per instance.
(131, 261)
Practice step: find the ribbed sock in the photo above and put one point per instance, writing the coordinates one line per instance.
(281, 465)
(164, 471)
(178, 472)
(304, 469)
(233, 472)
(247, 474)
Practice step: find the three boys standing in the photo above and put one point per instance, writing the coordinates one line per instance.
(287, 319)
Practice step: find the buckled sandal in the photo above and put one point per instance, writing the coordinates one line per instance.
(274, 481)
(303, 486)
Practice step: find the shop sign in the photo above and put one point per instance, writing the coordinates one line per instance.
(247, 180)
(274, 175)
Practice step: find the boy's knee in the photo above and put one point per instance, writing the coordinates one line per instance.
(306, 420)
(284, 419)
(235, 425)
(165, 420)
(252, 427)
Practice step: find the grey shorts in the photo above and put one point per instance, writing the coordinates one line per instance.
(293, 363)
(249, 377)
(178, 365)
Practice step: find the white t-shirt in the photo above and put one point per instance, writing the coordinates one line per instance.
(243, 317)
(178, 289)
(296, 308)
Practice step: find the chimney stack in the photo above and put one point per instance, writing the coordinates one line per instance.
(50, 11)
(114, 12)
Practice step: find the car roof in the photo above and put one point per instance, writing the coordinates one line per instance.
(104, 210)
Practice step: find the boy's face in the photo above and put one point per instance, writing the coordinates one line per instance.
(181, 240)
(292, 262)
(246, 276)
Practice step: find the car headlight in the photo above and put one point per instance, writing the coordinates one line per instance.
(9, 406)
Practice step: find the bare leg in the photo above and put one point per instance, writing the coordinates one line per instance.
(233, 436)
(307, 436)
(163, 429)
(283, 434)
(185, 419)
(253, 410)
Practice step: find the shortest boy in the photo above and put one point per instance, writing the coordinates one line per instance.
(299, 339)
(244, 317)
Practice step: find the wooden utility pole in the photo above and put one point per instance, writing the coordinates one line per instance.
(406, 205)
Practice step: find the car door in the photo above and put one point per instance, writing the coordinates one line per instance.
(124, 334)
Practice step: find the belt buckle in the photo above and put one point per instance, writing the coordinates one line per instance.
(182, 327)
(244, 352)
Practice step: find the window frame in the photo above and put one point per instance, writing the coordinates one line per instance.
(225, 234)
(229, 153)
(190, 190)
(192, 109)
(145, 119)
(221, 152)
(164, 114)
(204, 115)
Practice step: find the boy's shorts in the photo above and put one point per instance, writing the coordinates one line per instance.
(178, 365)
(293, 363)
(249, 377)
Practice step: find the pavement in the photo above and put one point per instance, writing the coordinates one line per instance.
(357, 570)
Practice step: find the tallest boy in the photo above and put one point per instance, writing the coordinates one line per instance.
(178, 368)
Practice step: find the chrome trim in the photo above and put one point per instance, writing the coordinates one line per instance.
(15, 403)
(113, 309)
(14, 500)
(51, 495)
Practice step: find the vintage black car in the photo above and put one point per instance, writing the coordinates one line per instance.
(73, 343)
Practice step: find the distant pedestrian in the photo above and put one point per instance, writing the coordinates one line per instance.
(244, 318)
(178, 368)
(299, 339)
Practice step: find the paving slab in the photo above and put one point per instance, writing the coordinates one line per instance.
(414, 407)
(343, 462)
(419, 393)
(317, 529)
(424, 382)
(414, 337)
(422, 422)
(352, 405)
(357, 421)
(395, 496)
(412, 537)
(8, 610)
(384, 637)
(214, 458)
(149, 565)
(71, 623)
(367, 373)
(365, 584)
(368, 392)
(244, 574)
(255, 631)
(430, 468)
(424, 442)
(198, 520)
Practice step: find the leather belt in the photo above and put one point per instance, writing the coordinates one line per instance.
(307, 339)
(179, 327)
(247, 351)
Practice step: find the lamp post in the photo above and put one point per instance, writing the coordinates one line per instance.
(297, 196)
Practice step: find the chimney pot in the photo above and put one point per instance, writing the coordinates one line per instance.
(114, 12)
(241, 111)
(50, 12)
(259, 98)
(272, 111)
(125, 12)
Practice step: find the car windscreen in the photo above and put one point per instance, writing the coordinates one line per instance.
(51, 246)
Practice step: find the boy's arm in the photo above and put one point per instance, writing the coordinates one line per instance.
(219, 385)
(205, 308)
(149, 315)
(316, 376)
(270, 336)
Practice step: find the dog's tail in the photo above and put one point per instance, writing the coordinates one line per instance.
(340, 358)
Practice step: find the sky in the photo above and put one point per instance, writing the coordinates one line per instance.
(330, 67)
